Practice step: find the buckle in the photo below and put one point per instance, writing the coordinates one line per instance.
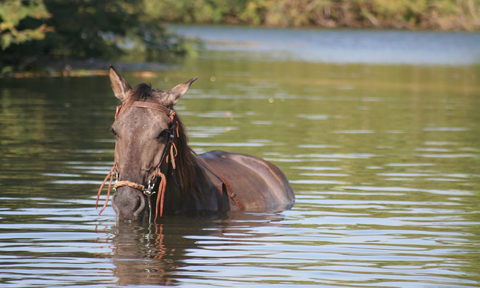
(149, 190)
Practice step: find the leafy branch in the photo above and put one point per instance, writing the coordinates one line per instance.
(12, 12)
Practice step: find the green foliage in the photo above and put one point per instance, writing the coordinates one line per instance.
(199, 11)
(412, 14)
(82, 28)
(12, 12)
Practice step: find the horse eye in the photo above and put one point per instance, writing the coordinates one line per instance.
(162, 135)
(114, 132)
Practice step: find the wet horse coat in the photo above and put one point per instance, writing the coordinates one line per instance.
(156, 166)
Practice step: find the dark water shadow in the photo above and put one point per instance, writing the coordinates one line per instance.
(145, 254)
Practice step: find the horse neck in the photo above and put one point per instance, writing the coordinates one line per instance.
(173, 196)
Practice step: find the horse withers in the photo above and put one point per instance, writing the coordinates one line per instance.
(158, 173)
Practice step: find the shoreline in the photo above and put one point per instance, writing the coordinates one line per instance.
(84, 68)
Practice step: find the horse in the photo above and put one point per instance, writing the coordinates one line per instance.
(158, 173)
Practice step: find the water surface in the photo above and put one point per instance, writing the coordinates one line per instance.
(384, 160)
(346, 46)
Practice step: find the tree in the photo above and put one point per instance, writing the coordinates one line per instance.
(86, 28)
(12, 12)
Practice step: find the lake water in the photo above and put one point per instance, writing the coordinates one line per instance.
(380, 141)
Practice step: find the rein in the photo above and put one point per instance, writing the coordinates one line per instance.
(169, 154)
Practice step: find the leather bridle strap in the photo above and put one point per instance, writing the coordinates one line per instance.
(228, 188)
(150, 105)
(134, 185)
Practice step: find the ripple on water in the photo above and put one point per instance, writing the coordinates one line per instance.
(406, 189)
(219, 114)
(314, 146)
(409, 164)
(353, 131)
(458, 155)
(315, 168)
(445, 129)
(208, 131)
(339, 155)
(313, 117)
(440, 143)
(325, 174)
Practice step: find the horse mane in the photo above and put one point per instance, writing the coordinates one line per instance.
(141, 92)
(189, 174)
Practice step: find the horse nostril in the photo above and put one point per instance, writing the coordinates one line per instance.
(137, 202)
(140, 205)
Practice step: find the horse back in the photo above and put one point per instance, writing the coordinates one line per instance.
(258, 183)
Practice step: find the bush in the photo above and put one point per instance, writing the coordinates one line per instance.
(66, 29)
(411, 14)
(12, 12)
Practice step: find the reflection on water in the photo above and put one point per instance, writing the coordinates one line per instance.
(384, 161)
(160, 253)
(149, 255)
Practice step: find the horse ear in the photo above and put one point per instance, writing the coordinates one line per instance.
(119, 85)
(174, 94)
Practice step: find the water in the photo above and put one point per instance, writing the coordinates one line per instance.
(342, 45)
(384, 160)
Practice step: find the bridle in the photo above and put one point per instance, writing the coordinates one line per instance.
(169, 154)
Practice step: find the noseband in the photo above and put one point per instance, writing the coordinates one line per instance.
(149, 190)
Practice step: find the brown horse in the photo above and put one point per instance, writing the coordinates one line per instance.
(159, 174)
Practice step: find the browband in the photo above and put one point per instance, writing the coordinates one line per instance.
(155, 106)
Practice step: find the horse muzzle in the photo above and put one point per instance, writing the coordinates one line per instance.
(129, 203)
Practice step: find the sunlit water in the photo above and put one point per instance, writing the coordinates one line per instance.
(384, 161)
(341, 45)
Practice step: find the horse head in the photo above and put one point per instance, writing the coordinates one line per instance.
(144, 128)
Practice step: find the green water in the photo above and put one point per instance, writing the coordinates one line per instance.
(384, 160)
